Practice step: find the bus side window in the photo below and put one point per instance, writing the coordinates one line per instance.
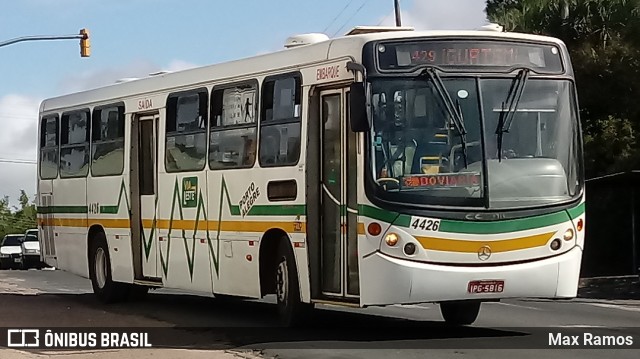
(281, 117)
(233, 126)
(186, 126)
(107, 149)
(49, 147)
(74, 144)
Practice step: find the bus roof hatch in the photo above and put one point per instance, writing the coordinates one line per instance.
(305, 39)
(371, 29)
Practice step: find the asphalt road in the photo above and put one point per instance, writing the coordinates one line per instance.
(506, 329)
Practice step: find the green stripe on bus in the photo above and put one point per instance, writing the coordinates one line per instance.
(377, 213)
(115, 209)
(277, 210)
(63, 209)
(109, 209)
(257, 210)
(469, 227)
(512, 225)
(576, 211)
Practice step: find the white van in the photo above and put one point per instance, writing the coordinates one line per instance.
(31, 250)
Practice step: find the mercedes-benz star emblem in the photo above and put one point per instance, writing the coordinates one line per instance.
(484, 253)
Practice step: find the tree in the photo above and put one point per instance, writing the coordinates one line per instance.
(18, 220)
(5, 215)
(601, 36)
(24, 199)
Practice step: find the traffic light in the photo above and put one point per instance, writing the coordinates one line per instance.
(85, 45)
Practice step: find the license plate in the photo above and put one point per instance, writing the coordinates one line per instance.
(486, 286)
(17, 260)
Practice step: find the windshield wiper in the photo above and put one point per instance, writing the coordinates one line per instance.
(454, 110)
(507, 114)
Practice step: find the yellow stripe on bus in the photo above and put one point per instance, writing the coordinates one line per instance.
(82, 222)
(503, 245)
(429, 243)
(187, 225)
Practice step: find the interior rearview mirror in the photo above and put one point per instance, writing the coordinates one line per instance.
(358, 108)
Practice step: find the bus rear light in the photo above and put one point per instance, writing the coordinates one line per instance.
(555, 244)
(391, 239)
(568, 234)
(374, 229)
(580, 225)
(249, 257)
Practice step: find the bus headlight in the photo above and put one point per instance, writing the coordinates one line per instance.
(391, 239)
(568, 234)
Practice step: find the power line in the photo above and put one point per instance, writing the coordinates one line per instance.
(17, 161)
(337, 16)
(16, 116)
(349, 19)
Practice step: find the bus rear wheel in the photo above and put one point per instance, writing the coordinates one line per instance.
(291, 310)
(104, 287)
(460, 312)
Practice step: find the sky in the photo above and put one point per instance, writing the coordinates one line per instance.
(132, 38)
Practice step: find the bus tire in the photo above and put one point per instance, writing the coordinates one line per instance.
(104, 287)
(463, 312)
(290, 308)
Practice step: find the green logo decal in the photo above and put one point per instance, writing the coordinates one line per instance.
(189, 192)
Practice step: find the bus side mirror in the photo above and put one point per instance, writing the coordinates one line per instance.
(358, 108)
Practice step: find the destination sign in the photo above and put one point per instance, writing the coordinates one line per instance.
(479, 55)
(442, 180)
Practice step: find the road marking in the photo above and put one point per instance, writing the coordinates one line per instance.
(580, 326)
(614, 306)
(514, 305)
(411, 306)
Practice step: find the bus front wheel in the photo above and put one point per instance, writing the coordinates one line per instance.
(460, 312)
(104, 287)
(290, 307)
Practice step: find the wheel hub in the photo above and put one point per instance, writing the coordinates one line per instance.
(281, 282)
(101, 268)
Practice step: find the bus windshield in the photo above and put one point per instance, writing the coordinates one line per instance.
(514, 153)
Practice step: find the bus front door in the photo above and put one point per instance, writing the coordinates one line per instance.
(338, 212)
(143, 186)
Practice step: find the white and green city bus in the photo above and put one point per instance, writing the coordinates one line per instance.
(381, 167)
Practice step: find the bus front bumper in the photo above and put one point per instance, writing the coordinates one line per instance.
(387, 280)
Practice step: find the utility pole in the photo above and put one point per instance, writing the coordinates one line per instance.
(83, 36)
(396, 4)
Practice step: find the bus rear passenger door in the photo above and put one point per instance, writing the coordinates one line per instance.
(144, 169)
